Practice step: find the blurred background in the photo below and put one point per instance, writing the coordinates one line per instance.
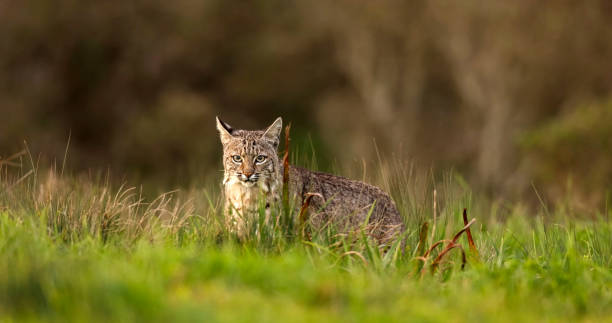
(513, 95)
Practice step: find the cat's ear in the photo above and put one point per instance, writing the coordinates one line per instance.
(273, 132)
(225, 131)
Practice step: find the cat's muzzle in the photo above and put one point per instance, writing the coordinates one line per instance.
(248, 179)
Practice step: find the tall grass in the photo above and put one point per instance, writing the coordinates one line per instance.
(78, 248)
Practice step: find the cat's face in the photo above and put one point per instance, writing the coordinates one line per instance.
(250, 156)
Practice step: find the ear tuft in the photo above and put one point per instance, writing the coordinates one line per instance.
(273, 132)
(225, 131)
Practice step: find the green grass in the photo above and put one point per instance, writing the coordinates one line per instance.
(75, 249)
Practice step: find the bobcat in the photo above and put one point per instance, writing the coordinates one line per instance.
(253, 179)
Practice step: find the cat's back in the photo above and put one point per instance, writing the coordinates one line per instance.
(330, 185)
(346, 201)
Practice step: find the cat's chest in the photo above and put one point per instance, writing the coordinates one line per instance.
(245, 198)
(241, 196)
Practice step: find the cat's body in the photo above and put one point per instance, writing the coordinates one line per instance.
(346, 203)
(253, 179)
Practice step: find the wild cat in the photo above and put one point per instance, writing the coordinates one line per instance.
(253, 178)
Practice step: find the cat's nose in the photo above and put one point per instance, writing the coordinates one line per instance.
(248, 177)
(248, 174)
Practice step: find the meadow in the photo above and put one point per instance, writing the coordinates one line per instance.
(77, 248)
(113, 211)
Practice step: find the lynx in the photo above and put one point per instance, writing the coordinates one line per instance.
(253, 179)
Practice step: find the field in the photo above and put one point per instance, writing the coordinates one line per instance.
(77, 248)
(488, 122)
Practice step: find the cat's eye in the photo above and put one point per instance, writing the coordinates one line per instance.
(260, 159)
(237, 159)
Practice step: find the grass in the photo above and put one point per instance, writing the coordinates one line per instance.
(76, 249)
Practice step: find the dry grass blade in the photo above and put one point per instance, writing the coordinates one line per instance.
(433, 246)
(465, 228)
(448, 248)
(286, 155)
(421, 247)
(9, 160)
(433, 229)
(9, 163)
(422, 237)
(355, 253)
(285, 191)
(451, 245)
(304, 214)
(469, 235)
(423, 259)
(21, 179)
